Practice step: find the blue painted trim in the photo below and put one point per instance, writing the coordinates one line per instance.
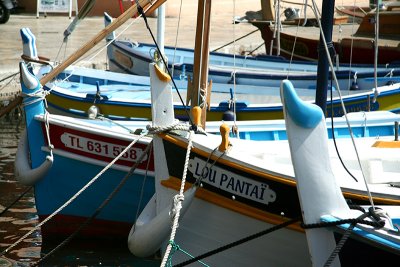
(382, 242)
(302, 113)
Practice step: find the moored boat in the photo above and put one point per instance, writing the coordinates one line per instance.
(242, 189)
(122, 96)
(351, 44)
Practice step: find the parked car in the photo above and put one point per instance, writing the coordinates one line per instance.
(5, 9)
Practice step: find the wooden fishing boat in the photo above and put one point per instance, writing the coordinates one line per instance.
(82, 149)
(356, 13)
(245, 189)
(226, 197)
(122, 96)
(69, 165)
(132, 57)
(74, 151)
(120, 99)
(352, 44)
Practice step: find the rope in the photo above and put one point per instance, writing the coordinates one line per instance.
(102, 118)
(99, 50)
(371, 213)
(340, 245)
(254, 50)
(37, 96)
(47, 126)
(177, 248)
(334, 141)
(239, 242)
(9, 76)
(40, 95)
(231, 42)
(342, 104)
(203, 173)
(176, 38)
(344, 221)
(376, 49)
(343, 240)
(12, 76)
(234, 68)
(144, 182)
(177, 204)
(100, 208)
(175, 126)
(73, 197)
(178, 199)
(374, 214)
(15, 201)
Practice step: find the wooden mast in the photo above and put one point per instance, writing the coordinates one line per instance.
(200, 86)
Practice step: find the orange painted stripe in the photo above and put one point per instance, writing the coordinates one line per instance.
(386, 144)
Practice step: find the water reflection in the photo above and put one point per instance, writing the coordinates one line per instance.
(21, 217)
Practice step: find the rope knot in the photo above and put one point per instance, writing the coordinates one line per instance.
(174, 126)
(377, 214)
(174, 245)
(176, 205)
(194, 128)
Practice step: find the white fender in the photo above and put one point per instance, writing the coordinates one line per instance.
(23, 171)
(151, 230)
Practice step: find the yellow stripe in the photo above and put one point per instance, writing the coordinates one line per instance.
(105, 109)
(386, 144)
(385, 103)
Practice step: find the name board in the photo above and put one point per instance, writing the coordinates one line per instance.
(231, 182)
(54, 5)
